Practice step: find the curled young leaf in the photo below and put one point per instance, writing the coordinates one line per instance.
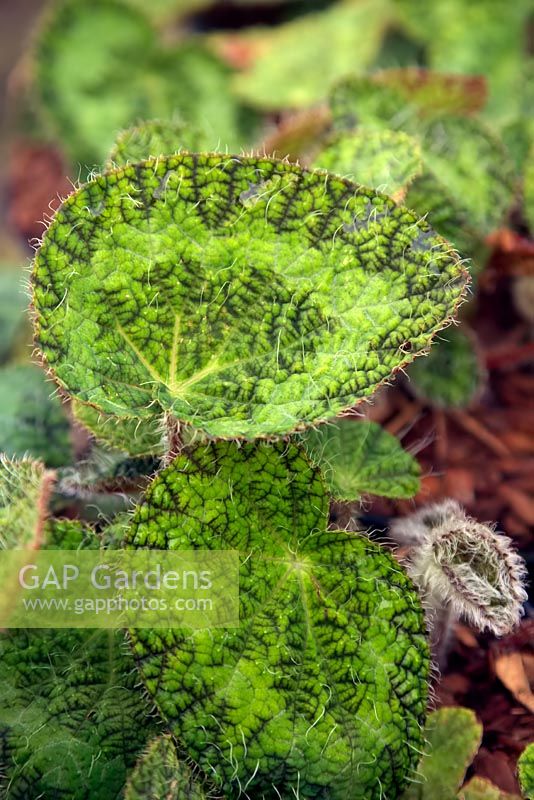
(321, 690)
(458, 561)
(360, 457)
(245, 296)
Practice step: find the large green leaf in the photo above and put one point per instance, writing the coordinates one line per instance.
(362, 458)
(385, 160)
(453, 736)
(246, 296)
(160, 774)
(25, 488)
(72, 718)
(321, 690)
(100, 67)
(32, 420)
(526, 771)
(298, 61)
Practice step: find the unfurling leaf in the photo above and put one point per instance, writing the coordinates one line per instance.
(160, 775)
(453, 737)
(360, 457)
(244, 296)
(458, 561)
(322, 688)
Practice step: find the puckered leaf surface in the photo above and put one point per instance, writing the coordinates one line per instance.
(246, 296)
(321, 690)
(160, 774)
(362, 458)
(453, 736)
(32, 419)
(72, 717)
(385, 160)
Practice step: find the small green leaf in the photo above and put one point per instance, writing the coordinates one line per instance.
(300, 60)
(245, 296)
(100, 67)
(13, 304)
(525, 767)
(361, 458)
(137, 437)
(160, 774)
(470, 37)
(32, 420)
(25, 488)
(322, 689)
(481, 789)
(397, 95)
(452, 374)
(453, 736)
(466, 166)
(384, 160)
(155, 138)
